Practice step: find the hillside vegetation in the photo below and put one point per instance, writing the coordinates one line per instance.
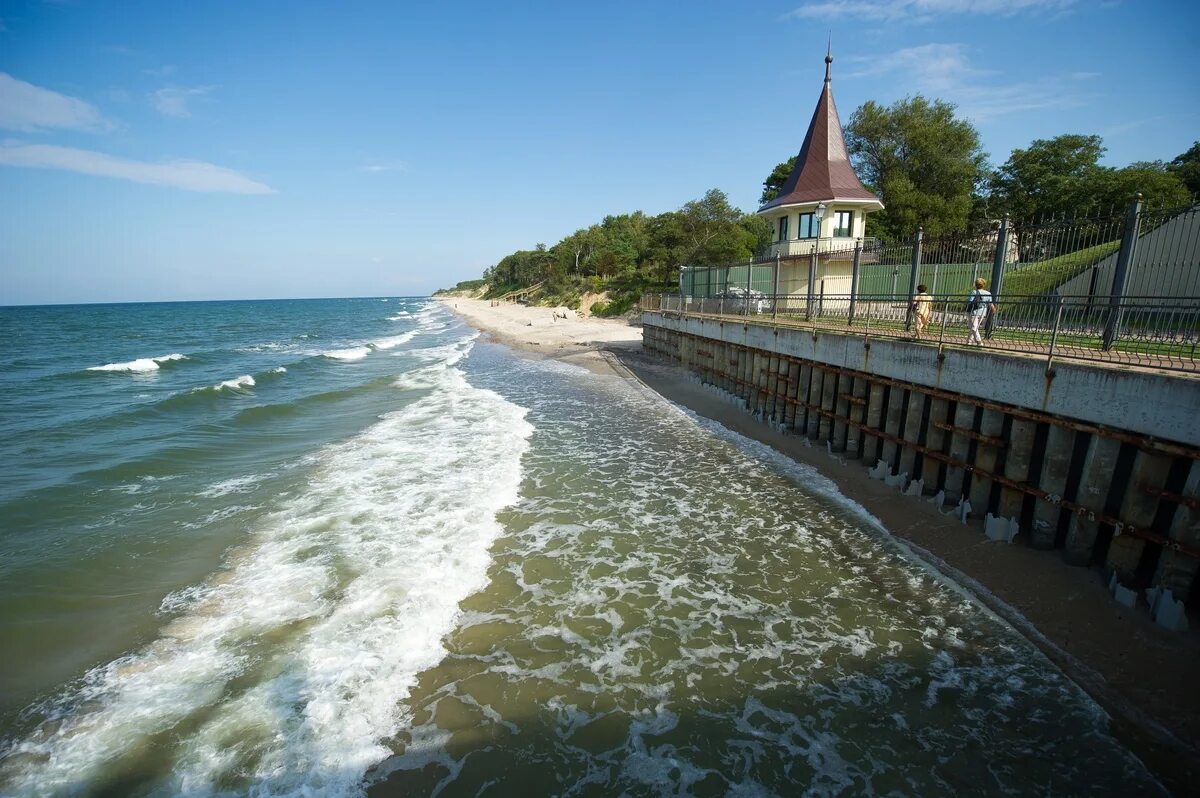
(626, 255)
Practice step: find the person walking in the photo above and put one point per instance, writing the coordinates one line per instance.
(922, 308)
(980, 305)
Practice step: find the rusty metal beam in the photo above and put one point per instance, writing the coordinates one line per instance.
(987, 440)
(1191, 502)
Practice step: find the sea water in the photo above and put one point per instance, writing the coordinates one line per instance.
(338, 547)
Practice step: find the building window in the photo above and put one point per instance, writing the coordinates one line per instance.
(783, 228)
(808, 226)
(843, 223)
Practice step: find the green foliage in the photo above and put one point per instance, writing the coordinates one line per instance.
(615, 307)
(627, 253)
(774, 182)
(1062, 178)
(1050, 178)
(1158, 185)
(1187, 168)
(923, 162)
(465, 285)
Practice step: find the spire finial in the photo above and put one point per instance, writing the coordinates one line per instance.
(828, 56)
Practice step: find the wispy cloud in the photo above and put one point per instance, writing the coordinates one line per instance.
(166, 70)
(26, 107)
(922, 10)
(383, 166)
(187, 175)
(174, 101)
(945, 71)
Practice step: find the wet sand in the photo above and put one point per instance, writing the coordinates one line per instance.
(1143, 675)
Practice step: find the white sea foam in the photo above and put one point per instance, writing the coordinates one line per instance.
(236, 485)
(392, 341)
(353, 353)
(244, 381)
(355, 583)
(270, 346)
(142, 364)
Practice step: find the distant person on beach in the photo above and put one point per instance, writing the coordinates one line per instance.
(922, 308)
(979, 306)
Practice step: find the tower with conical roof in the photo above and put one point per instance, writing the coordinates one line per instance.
(823, 205)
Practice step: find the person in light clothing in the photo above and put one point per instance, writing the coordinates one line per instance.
(922, 308)
(980, 305)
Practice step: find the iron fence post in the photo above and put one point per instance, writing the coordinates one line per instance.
(854, 278)
(945, 313)
(1000, 258)
(775, 295)
(749, 274)
(997, 273)
(1125, 262)
(1054, 336)
(912, 278)
(812, 279)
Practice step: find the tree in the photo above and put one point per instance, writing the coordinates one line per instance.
(774, 182)
(1061, 176)
(1187, 168)
(713, 233)
(1159, 187)
(924, 163)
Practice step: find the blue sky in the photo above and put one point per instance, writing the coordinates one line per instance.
(159, 151)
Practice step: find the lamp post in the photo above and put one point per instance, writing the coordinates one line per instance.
(819, 212)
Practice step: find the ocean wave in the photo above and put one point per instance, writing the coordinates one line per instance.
(392, 341)
(355, 584)
(240, 384)
(142, 364)
(353, 353)
(362, 350)
(244, 381)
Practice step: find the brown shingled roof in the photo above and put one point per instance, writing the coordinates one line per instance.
(822, 170)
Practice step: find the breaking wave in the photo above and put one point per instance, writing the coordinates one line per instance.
(302, 647)
(142, 364)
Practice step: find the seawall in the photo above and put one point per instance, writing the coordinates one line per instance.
(1098, 463)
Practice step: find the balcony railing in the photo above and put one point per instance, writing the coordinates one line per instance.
(826, 247)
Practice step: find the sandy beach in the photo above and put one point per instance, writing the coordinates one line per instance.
(1141, 674)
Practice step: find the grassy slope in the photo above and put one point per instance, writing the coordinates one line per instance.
(1042, 278)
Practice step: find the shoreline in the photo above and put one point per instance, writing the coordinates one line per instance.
(1139, 673)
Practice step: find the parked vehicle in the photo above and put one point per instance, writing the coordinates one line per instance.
(734, 300)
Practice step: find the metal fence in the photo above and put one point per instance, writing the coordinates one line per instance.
(1144, 331)
(1147, 253)
(1117, 288)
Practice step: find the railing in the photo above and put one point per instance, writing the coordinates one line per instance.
(1138, 253)
(826, 247)
(1143, 331)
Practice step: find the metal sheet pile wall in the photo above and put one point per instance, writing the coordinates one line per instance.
(1099, 495)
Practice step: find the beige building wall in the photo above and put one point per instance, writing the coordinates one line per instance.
(804, 246)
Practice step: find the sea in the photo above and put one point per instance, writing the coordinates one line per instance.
(350, 547)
